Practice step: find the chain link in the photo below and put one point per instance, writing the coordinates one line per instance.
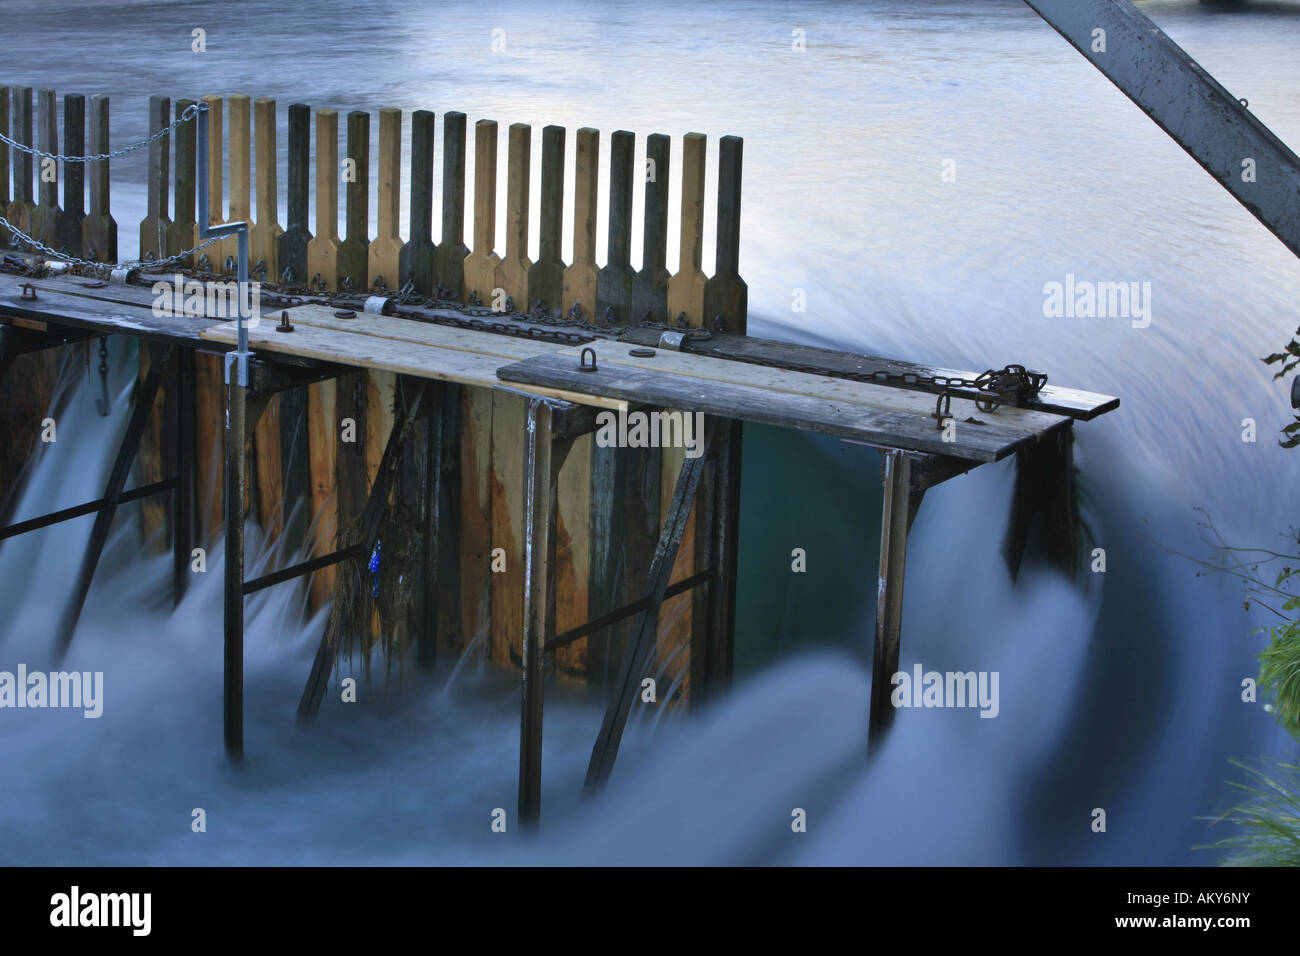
(188, 114)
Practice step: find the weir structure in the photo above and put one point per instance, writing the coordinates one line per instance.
(434, 403)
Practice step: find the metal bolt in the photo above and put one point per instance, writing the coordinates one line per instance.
(285, 325)
(642, 353)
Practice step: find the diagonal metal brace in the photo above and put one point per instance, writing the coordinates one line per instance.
(605, 752)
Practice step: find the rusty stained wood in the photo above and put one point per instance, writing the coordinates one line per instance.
(512, 270)
(209, 413)
(385, 250)
(573, 555)
(686, 287)
(155, 225)
(19, 210)
(481, 264)
(183, 233)
(725, 294)
(219, 251)
(241, 173)
(507, 482)
(45, 217)
(354, 255)
(580, 277)
(264, 233)
(449, 257)
(323, 248)
(151, 462)
(416, 261)
(291, 248)
(476, 516)
(614, 281)
(546, 275)
(322, 444)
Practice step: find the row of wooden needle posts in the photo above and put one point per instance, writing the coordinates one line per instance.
(621, 494)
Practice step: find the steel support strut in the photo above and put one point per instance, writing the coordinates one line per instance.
(544, 455)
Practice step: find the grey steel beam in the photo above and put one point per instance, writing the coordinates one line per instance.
(1215, 128)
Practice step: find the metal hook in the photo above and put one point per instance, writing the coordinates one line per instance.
(582, 360)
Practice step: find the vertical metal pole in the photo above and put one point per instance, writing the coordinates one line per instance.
(541, 466)
(236, 481)
(896, 470)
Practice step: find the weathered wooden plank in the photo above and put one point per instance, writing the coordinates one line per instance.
(580, 277)
(323, 248)
(896, 511)
(151, 461)
(98, 230)
(292, 245)
(512, 271)
(45, 217)
(19, 210)
(183, 233)
(385, 250)
(573, 554)
(833, 390)
(264, 233)
(675, 615)
(154, 226)
(241, 173)
(476, 517)
(507, 476)
(883, 425)
(546, 275)
(295, 467)
(449, 259)
(322, 432)
(686, 287)
(268, 470)
(481, 263)
(443, 529)
(725, 293)
(354, 257)
(209, 413)
(650, 286)
(1056, 399)
(416, 261)
(614, 281)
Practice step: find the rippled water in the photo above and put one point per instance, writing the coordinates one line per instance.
(1125, 696)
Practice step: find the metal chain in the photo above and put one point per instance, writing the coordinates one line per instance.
(188, 114)
(92, 264)
(101, 403)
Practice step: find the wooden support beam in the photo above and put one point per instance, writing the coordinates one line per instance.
(509, 525)
(322, 443)
(449, 259)
(1045, 506)
(650, 287)
(417, 255)
(292, 245)
(546, 275)
(323, 248)
(481, 263)
(726, 294)
(614, 281)
(144, 400)
(512, 270)
(605, 751)
(152, 463)
(264, 233)
(544, 456)
(376, 503)
(241, 172)
(385, 251)
(354, 251)
(155, 226)
(723, 525)
(183, 233)
(181, 392)
(896, 515)
(686, 287)
(580, 277)
(45, 217)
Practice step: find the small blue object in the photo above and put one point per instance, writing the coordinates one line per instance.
(373, 568)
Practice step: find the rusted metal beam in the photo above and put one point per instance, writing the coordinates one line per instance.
(1213, 126)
